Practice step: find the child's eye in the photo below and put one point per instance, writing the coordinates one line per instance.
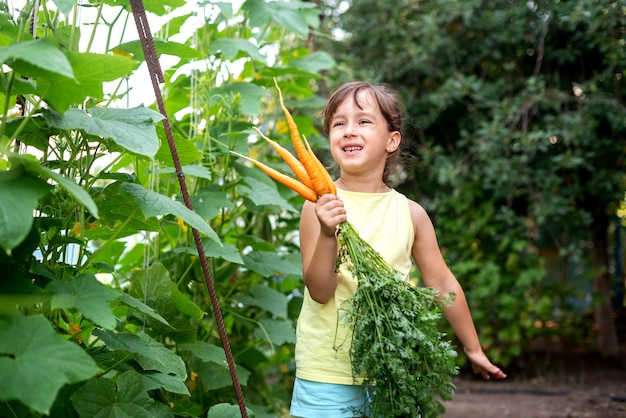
(364, 121)
(338, 123)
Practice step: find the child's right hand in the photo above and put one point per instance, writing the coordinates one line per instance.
(330, 213)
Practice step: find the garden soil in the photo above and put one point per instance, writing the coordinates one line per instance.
(552, 381)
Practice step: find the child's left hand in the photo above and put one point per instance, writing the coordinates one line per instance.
(482, 365)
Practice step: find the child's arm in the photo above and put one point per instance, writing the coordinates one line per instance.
(318, 245)
(436, 274)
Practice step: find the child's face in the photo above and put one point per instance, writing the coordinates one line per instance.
(359, 136)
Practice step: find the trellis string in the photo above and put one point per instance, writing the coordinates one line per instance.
(156, 76)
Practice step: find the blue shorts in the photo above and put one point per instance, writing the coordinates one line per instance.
(328, 400)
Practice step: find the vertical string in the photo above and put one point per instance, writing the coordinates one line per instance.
(156, 76)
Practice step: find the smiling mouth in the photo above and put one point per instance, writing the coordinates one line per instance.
(352, 149)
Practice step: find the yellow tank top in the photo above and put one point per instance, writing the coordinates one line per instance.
(323, 339)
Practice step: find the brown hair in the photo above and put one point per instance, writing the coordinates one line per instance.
(388, 102)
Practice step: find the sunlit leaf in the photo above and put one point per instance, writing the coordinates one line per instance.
(161, 7)
(10, 32)
(64, 6)
(250, 96)
(132, 129)
(154, 204)
(35, 362)
(38, 54)
(230, 48)
(162, 47)
(189, 170)
(186, 150)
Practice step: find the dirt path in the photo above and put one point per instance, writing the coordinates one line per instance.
(554, 384)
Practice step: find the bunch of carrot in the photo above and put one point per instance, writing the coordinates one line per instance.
(315, 180)
(395, 342)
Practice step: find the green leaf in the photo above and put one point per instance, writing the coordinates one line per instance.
(19, 87)
(160, 292)
(284, 14)
(212, 249)
(231, 47)
(209, 204)
(166, 382)
(64, 6)
(250, 96)
(126, 398)
(267, 298)
(142, 307)
(207, 352)
(35, 362)
(88, 296)
(189, 170)
(225, 410)
(20, 193)
(69, 185)
(314, 63)
(39, 53)
(264, 194)
(120, 207)
(10, 32)
(158, 7)
(154, 204)
(150, 354)
(279, 331)
(269, 263)
(162, 47)
(91, 71)
(132, 129)
(35, 133)
(187, 151)
(226, 252)
(216, 376)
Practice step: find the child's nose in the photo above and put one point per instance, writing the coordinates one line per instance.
(349, 129)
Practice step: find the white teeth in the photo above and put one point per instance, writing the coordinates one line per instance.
(350, 149)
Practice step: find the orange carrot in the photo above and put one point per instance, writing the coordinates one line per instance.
(317, 179)
(322, 170)
(295, 164)
(293, 184)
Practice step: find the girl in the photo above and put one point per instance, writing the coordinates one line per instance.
(363, 123)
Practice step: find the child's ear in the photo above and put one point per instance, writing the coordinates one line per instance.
(394, 141)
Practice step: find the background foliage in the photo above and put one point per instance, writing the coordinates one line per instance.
(516, 120)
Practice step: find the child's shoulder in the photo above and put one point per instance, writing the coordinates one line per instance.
(418, 213)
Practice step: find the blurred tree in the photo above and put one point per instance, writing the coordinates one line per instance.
(519, 125)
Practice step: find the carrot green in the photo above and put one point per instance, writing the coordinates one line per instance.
(407, 362)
